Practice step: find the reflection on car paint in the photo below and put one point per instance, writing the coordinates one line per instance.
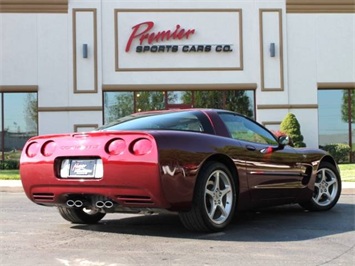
(167, 170)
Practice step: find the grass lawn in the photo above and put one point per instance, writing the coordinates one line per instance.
(347, 173)
(9, 174)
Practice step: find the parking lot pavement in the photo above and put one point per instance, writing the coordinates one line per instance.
(16, 186)
(284, 235)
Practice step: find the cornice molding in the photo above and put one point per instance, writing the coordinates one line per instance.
(336, 85)
(292, 6)
(320, 6)
(71, 109)
(33, 6)
(287, 106)
(18, 88)
(169, 87)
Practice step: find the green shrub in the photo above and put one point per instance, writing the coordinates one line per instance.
(339, 151)
(9, 164)
(291, 127)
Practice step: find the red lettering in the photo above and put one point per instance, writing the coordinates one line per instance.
(144, 34)
(135, 33)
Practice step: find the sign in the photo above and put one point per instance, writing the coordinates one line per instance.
(178, 40)
(142, 33)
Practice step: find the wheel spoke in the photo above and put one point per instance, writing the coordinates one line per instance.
(323, 175)
(330, 197)
(213, 211)
(331, 182)
(209, 193)
(326, 187)
(318, 196)
(218, 197)
(216, 185)
(223, 210)
(225, 192)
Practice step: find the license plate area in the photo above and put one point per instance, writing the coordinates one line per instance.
(80, 168)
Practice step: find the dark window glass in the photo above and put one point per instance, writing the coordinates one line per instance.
(186, 121)
(244, 129)
(19, 122)
(240, 101)
(336, 116)
(179, 97)
(149, 100)
(122, 103)
(117, 104)
(332, 128)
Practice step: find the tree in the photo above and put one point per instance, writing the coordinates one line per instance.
(122, 105)
(234, 100)
(149, 100)
(291, 127)
(345, 107)
(31, 112)
(239, 102)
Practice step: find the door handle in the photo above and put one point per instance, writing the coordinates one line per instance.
(250, 148)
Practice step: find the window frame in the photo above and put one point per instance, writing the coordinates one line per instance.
(13, 89)
(350, 88)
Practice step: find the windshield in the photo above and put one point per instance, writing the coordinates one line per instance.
(186, 121)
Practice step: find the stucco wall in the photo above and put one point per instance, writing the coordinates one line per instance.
(44, 49)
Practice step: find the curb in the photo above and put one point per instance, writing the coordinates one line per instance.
(11, 186)
(348, 188)
(347, 191)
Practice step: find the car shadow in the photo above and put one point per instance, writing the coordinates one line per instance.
(284, 223)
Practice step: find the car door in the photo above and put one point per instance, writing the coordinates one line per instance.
(273, 171)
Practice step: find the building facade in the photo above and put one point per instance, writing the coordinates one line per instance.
(72, 65)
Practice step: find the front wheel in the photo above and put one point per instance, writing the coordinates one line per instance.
(81, 215)
(327, 188)
(214, 200)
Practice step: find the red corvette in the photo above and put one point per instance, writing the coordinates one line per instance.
(204, 164)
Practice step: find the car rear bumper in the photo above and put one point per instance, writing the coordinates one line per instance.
(127, 185)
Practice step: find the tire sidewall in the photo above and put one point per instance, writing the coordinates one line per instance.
(200, 194)
(79, 216)
(315, 205)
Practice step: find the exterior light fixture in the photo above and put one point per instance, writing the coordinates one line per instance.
(85, 50)
(272, 49)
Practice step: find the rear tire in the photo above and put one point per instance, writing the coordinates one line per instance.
(81, 215)
(327, 189)
(214, 200)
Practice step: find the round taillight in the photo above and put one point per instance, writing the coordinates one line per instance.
(141, 146)
(115, 146)
(48, 148)
(32, 149)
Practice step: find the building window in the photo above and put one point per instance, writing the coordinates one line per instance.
(241, 101)
(117, 104)
(19, 122)
(337, 118)
(121, 103)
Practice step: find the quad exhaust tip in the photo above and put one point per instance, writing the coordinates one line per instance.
(99, 204)
(75, 203)
(104, 204)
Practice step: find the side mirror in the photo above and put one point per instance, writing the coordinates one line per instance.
(284, 140)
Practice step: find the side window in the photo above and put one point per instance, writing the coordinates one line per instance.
(244, 129)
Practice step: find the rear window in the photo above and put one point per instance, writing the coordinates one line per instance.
(185, 121)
